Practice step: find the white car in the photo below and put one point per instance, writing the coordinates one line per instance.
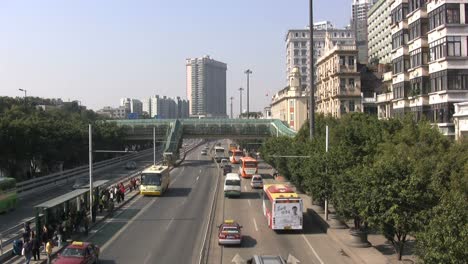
(257, 181)
(224, 162)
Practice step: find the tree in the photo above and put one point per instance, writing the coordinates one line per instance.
(399, 183)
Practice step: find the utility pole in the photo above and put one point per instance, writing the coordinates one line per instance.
(231, 98)
(248, 72)
(312, 77)
(90, 133)
(240, 107)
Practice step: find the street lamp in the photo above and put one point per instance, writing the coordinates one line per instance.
(240, 101)
(248, 72)
(312, 77)
(25, 95)
(231, 98)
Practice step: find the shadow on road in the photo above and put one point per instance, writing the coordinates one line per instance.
(248, 241)
(176, 192)
(249, 195)
(107, 261)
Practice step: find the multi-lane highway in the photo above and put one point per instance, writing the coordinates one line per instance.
(172, 228)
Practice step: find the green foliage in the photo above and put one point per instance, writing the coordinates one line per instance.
(46, 139)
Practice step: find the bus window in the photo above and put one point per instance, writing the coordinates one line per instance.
(233, 182)
(151, 179)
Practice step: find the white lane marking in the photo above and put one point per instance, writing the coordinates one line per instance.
(250, 204)
(313, 250)
(198, 177)
(170, 222)
(113, 238)
(245, 187)
(148, 257)
(255, 224)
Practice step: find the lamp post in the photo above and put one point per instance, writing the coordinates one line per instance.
(25, 95)
(240, 101)
(231, 98)
(312, 77)
(248, 72)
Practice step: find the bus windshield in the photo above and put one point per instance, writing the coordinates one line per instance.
(233, 182)
(238, 154)
(250, 164)
(151, 179)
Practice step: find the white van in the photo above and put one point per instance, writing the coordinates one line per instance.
(232, 185)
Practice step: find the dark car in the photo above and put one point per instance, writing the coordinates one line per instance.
(130, 165)
(79, 253)
(227, 169)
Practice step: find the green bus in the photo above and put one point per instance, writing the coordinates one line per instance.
(7, 194)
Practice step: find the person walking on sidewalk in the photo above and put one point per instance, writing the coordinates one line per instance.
(122, 191)
(49, 247)
(27, 251)
(36, 246)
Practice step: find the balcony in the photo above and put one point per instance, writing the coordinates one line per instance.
(346, 69)
(348, 90)
(385, 97)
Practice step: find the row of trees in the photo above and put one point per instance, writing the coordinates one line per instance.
(36, 142)
(400, 177)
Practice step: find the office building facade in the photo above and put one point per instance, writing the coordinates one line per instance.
(359, 26)
(297, 47)
(206, 87)
(379, 33)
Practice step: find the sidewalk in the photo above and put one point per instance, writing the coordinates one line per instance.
(381, 251)
(100, 217)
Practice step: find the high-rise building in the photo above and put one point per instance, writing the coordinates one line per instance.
(379, 33)
(206, 86)
(429, 59)
(297, 47)
(163, 107)
(359, 26)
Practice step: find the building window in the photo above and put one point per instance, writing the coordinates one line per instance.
(296, 44)
(400, 90)
(296, 52)
(342, 83)
(304, 61)
(351, 60)
(400, 38)
(415, 5)
(399, 14)
(445, 14)
(418, 57)
(351, 83)
(297, 34)
(303, 34)
(448, 46)
(449, 80)
(304, 69)
(303, 44)
(303, 52)
(419, 86)
(296, 62)
(400, 64)
(417, 29)
(342, 60)
(351, 106)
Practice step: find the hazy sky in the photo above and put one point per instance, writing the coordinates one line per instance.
(98, 51)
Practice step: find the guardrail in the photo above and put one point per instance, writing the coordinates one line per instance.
(59, 178)
(8, 236)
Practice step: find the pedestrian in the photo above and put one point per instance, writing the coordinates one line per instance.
(116, 194)
(122, 191)
(45, 235)
(49, 247)
(86, 225)
(59, 235)
(36, 246)
(27, 251)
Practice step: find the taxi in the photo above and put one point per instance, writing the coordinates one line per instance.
(79, 253)
(229, 233)
(257, 181)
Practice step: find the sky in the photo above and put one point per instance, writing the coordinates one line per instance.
(98, 51)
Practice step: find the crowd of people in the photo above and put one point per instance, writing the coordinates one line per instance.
(67, 224)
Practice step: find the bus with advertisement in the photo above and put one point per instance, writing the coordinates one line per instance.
(8, 197)
(236, 156)
(154, 180)
(282, 207)
(248, 167)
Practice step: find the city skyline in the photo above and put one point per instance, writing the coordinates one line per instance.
(87, 52)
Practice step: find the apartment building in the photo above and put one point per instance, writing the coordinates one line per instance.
(206, 86)
(338, 84)
(297, 47)
(360, 9)
(379, 33)
(429, 59)
(290, 104)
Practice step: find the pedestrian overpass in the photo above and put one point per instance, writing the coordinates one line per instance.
(172, 131)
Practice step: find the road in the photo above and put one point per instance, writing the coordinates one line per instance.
(167, 229)
(25, 208)
(311, 245)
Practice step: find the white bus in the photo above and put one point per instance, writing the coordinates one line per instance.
(282, 207)
(154, 180)
(219, 153)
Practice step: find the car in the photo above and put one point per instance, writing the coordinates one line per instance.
(79, 253)
(81, 183)
(130, 165)
(229, 233)
(257, 181)
(204, 152)
(227, 169)
(224, 162)
(257, 259)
